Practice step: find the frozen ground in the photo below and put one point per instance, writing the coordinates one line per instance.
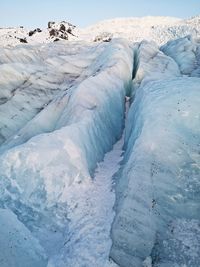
(75, 191)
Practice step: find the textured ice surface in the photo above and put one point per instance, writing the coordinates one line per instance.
(18, 248)
(31, 78)
(62, 109)
(186, 52)
(158, 190)
(152, 64)
(38, 176)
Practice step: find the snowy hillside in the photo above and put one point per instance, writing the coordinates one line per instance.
(100, 144)
(158, 29)
(20, 35)
(134, 29)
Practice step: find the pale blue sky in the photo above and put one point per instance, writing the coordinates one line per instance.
(32, 13)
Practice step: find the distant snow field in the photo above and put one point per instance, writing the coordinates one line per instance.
(158, 29)
(100, 144)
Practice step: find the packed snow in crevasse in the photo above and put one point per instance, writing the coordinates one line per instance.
(62, 109)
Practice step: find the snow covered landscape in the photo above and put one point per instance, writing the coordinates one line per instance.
(100, 144)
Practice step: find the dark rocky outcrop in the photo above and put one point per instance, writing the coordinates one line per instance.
(103, 37)
(60, 30)
(62, 27)
(23, 40)
(56, 40)
(53, 32)
(34, 31)
(50, 24)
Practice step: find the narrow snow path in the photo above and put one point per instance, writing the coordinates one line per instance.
(91, 215)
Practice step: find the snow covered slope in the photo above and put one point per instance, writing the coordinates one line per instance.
(134, 29)
(157, 29)
(55, 31)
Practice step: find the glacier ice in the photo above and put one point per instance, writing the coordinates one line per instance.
(17, 245)
(152, 64)
(157, 207)
(186, 52)
(38, 167)
(62, 108)
(32, 76)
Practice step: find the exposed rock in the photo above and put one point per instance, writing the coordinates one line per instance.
(23, 40)
(62, 27)
(34, 31)
(103, 37)
(64, 36)
(68, 24)
(50, 24)
(59, 30)
(53, 32)
(69, 31)
(31, 33)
